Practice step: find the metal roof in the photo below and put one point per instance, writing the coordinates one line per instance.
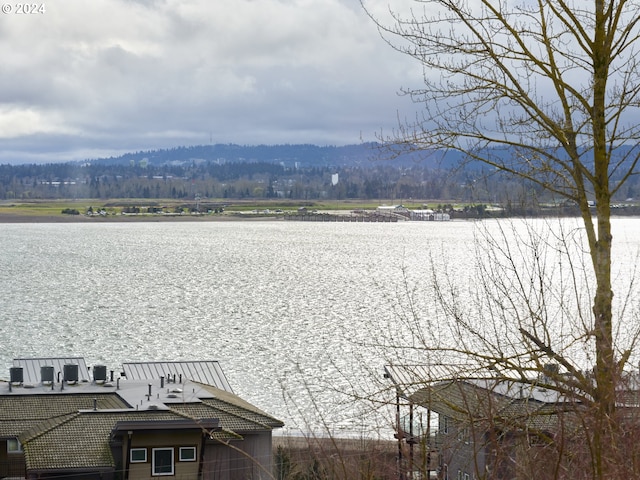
(68, 426)
(208, 372)
(31, 372)
(407, 379)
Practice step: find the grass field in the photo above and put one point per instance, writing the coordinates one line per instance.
(53, 208)
(40, 208)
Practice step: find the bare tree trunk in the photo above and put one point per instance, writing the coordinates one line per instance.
(605, 373)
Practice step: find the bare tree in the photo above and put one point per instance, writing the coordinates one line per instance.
(545, 90)
(497, 341)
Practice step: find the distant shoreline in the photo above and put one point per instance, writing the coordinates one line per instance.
(10, 218)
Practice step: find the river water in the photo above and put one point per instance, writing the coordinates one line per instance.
(283, 306)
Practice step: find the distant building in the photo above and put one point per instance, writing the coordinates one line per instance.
(392, 209)
(59, 419)
(429, 215)
(418, 215)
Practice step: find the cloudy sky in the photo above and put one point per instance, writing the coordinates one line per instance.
(103, 77)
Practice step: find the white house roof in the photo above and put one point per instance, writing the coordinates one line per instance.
(208, 372)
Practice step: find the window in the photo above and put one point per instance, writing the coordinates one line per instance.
(187, 454)
(13, 446)
(138, 455)
(445, 424)
(162, 461)
(463, 435)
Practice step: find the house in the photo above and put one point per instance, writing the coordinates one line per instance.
(61, 419)
(490, 428)
(484, 427)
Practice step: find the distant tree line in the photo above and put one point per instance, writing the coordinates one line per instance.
(266, 180)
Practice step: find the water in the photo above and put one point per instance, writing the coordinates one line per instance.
(283, 306)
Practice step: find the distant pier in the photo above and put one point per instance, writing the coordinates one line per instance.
(329, 217)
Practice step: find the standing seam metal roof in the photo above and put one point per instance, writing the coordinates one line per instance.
(31, 367)
(208, 372)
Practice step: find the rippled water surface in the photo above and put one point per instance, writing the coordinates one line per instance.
(274, 302)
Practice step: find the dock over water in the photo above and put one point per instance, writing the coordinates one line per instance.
(330, 217)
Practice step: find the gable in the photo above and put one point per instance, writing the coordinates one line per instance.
(82, 440)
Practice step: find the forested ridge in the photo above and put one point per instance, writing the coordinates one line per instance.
(302, 172)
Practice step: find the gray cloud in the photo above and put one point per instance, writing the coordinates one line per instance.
(102, 77)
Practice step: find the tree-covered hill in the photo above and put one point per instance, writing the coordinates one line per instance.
(293, 156)
(296, 172)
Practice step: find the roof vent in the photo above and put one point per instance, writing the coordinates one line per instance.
(100, 373)
(153, 406)
(71, 373)
(16, 375)
(46, 374)
(172, 395)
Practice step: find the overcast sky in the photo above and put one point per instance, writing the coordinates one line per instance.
(91, 78)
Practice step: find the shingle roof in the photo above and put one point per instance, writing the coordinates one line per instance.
(248, 409)
(457, 400)
(69, 426)
(234, 413)
(21, 412)
(233, 421)
(80, 440)
(469, 401)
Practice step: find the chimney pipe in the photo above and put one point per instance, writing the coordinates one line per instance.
(161, 382)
